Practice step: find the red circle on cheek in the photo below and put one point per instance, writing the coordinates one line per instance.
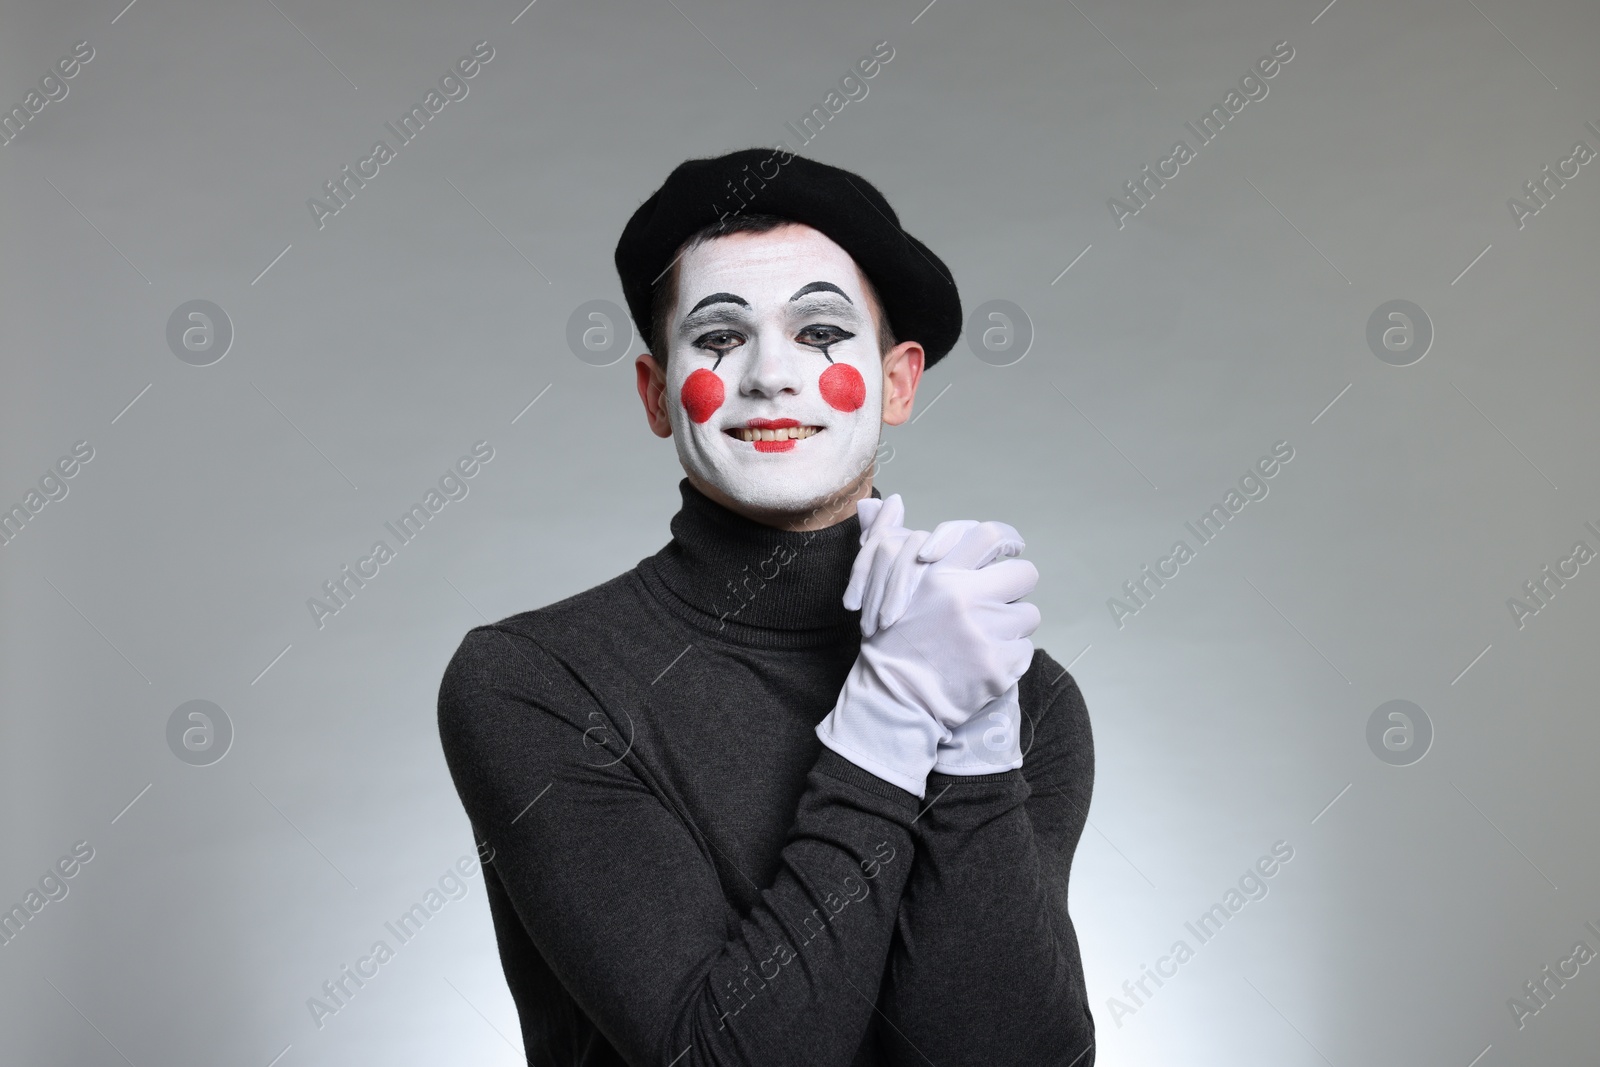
(842, 387)
(701, 395)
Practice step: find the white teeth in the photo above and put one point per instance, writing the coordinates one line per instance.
(787, 433)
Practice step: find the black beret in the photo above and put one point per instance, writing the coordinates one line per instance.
(916, 288)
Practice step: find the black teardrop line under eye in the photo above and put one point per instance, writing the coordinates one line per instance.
(718, 363)
(824, 346)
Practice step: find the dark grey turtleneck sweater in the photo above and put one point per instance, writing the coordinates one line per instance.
(678, 871)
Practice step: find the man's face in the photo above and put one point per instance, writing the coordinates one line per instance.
(774, 378)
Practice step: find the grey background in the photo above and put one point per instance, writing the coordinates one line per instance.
(1226, 316)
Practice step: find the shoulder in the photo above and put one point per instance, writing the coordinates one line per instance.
(520, 656)
(508, 712)
(579, 617)
(595, 609)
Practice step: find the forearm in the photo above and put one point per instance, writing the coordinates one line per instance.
(621, 897)
(986, 967)
(796, 984)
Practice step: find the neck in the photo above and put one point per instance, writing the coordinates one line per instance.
(832, 511)
(752, 583)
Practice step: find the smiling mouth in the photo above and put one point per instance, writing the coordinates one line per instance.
(758, 434)
(772, 435)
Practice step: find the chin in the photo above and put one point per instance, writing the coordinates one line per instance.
(780, 496)
(794, 479)
(795, 492)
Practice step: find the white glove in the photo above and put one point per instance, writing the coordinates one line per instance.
(896, 557)
(988, 743)
(884, 578)
(955, 647)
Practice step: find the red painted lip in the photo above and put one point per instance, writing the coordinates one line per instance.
(769, 424)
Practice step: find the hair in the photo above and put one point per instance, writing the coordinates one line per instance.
(664, 298)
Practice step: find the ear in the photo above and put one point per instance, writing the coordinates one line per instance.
(652, 380)
(902, 370)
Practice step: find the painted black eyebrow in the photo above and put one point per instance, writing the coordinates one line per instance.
(821, 287)
(690, 322)
(721, 298)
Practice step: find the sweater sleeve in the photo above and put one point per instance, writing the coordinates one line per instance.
(620, 897)
(985, 967)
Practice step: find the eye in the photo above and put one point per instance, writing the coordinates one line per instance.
(823, 336)
(720, 342)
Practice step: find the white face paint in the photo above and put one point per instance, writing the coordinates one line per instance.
(774, 330)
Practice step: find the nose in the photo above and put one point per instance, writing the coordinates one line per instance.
(774, 368)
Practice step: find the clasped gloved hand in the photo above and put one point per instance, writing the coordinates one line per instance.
(884, 583)
(944, 641)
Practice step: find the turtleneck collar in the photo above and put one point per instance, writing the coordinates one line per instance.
(755, 584)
